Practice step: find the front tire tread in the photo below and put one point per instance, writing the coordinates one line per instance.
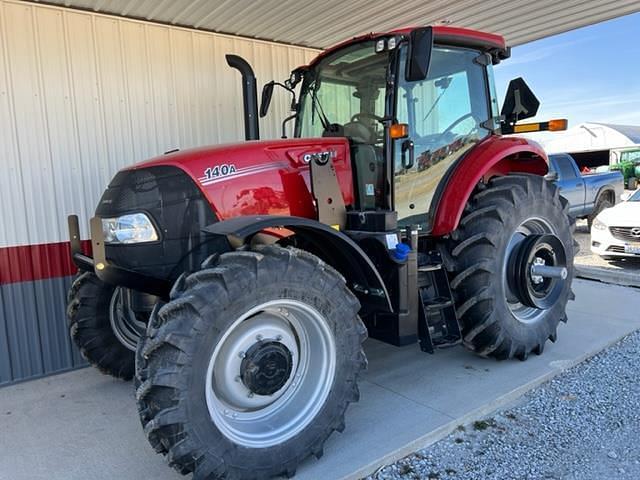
(171, 334)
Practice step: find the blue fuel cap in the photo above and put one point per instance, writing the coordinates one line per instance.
(401, 252)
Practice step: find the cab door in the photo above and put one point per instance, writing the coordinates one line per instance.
(447, 115)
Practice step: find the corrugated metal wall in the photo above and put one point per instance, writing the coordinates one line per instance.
(82, 95)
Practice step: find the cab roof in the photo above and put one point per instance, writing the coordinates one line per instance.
(442, 34)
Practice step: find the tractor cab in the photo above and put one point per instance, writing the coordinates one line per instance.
(411, 103)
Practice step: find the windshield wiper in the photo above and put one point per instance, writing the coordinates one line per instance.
(445, 82)
(315, 103)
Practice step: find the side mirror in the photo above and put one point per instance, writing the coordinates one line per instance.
(267, 93)
(519, 102)
(552, 176)
(419, 56)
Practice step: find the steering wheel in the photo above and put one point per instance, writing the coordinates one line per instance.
(458, 121)
(435, 140)
(357, 116)
(373, 134)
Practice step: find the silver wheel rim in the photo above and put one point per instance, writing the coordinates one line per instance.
(260, 421)
(531, 226)
(124, 323)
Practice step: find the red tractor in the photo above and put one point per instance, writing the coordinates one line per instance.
(237, 283)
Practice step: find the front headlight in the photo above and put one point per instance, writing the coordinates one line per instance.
(598, 225)
(131, 228)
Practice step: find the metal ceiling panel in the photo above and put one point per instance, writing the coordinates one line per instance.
(321, 24)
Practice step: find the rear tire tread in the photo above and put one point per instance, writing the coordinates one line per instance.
(474, 271)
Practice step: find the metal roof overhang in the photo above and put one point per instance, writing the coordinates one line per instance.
(320, 24)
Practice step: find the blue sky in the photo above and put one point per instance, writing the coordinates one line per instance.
(587, 75)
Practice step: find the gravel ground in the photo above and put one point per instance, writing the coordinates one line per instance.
(585, 257)
(583, 424)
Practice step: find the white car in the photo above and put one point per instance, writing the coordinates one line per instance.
(616, 231)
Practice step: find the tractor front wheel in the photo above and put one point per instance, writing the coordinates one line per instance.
(251, 365)
(103, 325)
(511, 265)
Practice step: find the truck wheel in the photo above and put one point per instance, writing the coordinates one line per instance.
(602, 203)
(251, 365)
(511, 226)
(103, 326)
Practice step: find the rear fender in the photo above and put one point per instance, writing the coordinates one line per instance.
(332, 246)
(492, 157)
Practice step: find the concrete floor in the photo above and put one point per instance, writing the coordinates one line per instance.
(83, 424)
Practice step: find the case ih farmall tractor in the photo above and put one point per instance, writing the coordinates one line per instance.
(238, 282)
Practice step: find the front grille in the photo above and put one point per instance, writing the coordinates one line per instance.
(628, 234)
(179, 211)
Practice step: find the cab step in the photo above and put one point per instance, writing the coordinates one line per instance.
(437, 303)
(438, 322)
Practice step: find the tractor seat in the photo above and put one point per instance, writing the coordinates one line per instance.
(368, 165)
(359, 133)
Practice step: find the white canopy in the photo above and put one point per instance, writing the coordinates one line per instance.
(589, 137)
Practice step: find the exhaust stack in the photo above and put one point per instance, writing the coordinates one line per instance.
(249, 96)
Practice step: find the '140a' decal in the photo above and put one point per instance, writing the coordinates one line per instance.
(219, 171)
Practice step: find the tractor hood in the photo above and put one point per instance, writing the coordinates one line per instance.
(259, 177)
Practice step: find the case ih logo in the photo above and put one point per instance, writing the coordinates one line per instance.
(319, 157)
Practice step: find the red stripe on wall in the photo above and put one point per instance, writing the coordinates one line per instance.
(37, 262)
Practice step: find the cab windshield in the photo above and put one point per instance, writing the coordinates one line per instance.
(345, 94)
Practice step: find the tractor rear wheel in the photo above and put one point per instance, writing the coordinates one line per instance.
(511, 264)
(103, 325)
(251, 364)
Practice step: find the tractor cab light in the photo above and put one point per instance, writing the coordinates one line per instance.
(526, 128)
(391, 44)
(550, 126)
(380, 45)
(558, 124)
(399, 130)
